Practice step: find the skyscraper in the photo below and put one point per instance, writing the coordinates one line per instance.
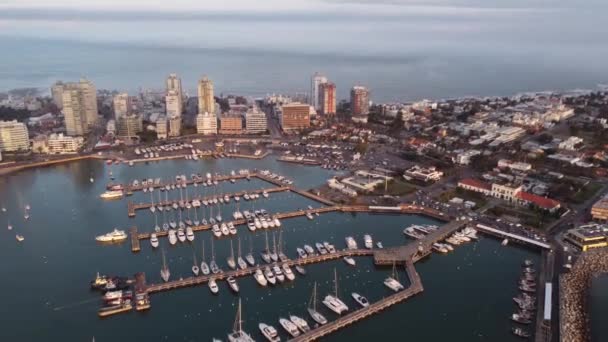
(79, 106)
(328, 98)
(122, 105)
(359, 103)
(316, 81)
(57, 94)
(173, 104)
(175, 126)
(206, 102)
(294, 116)
(174, 83)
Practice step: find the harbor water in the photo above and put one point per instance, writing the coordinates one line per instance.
(467, 293)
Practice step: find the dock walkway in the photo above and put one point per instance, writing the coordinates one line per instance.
(502, 234)
(357, 315)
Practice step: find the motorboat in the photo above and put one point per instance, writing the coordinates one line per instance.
(213, 286)
(351, 243)
(115, 235)
(270, 276)
(172, 237)
(225, 230)
(309, 250)
(231, 228)
(301, 253)
(360, 299)
(350, 261)
(288, 272)
(189, 234)
(269, 332)
(154, 240)
(300, 323)
(278, 273)
(259, 277)
(290, 327)
(321, 248)
(233, 284)
(216, 230)
(369, 244)
(181, 236)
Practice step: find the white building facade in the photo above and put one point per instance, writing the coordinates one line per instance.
(14, 136)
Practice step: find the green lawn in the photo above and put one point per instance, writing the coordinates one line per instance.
(586, 193)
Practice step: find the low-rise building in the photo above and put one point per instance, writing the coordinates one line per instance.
(60, 144)
(231, 124)
(599, 210)
(511, 192)
(464, 158)
(294, 116)
(588, 236)
(475, 186)
(425, 174)
(518, 166)
(129, 125)
(255, 121)
(571, 144)
(336, 185)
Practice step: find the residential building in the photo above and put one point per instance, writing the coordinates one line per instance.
(206, 123)
(294, 116)
(511, 192)
(174, 85)
(175, 126)
(111, 127)
(206, 101)
(231, 124)
(128, 126)
(315, 85)
(518, 166)
(464, 158)
(255, 121)
(79, 107)
(327, 98)
(122, 105)
(475, 185)
(57, 94)
(57, 144)
(571, 144)
(359, 103)
(428, 174)
(161, 128)
(599, 210)
(14, 136)
(173, 104)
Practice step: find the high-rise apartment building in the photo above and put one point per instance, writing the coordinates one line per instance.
(129, 125)
(57, 94)
(174, 84)
(206, 101)
(122, 105)
(315, 84)
(359, 103)
(79, 106)
(206, 123)
(14, 136)
(173, 104)
(255, 121)
(161, 128)
(327, 96)
(175, 126)
(295, 116)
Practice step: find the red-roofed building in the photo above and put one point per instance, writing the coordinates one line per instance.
(475, 185)
(539, 201)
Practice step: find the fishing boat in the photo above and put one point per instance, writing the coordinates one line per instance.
(269, 332)
(259, 277)
(234, 286)
(230, 260)
(291, 328)
(164, 272)
(360, 299)
(300, 323)
(312, 307)
(333, 302)
(392, 282)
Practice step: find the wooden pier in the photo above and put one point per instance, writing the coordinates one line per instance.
(198, 280)
(132, 207)
(357, 315)
(135, 247)
(130, 188)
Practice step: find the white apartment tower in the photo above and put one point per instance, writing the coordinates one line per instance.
(206, 101)
(315, 84)
(174, 83)
(79, 101)
(122, 105)
(255, 121)
(173, 104)
(13, 136)
(206, 123)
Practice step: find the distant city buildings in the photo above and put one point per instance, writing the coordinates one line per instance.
(206, 101)
(359, 103)
(206, 123)
(255, 121)
(79, 101)
(14, 136)
(315, 86)
(122, 105)
(231, 124)
(161, 128)
(294, 116)
(327, 98)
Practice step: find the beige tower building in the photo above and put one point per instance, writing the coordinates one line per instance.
(122, 105)
(174, 84)
(206, 102)
(79, 101)
(57, 94)
(173, 103)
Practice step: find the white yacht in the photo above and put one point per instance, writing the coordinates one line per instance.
(278, 273)
(351, 243)
(259, 277)
(231, 228)
(164, 271)
(300, 323)
(233, 284)
(301, 253)
(115, 235)
(350, 261)
(225, 230)
(269, 332)
(369, 244)
(309, 250)
(189, 234)
(291, 328)
(180, 235)
(270, 276)
(112, 194)
(288, 272)
(277, 222)
(213, 286)
(265, 194)
(360, 299)
(172, 237)
(216, 230)
(332, 301)
(392, 282)
(154, 240)
(312, 308)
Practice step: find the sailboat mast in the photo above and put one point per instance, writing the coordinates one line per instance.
(267, 248)
(336, 281)
(203, 250)
(239, 247)
(231, 250)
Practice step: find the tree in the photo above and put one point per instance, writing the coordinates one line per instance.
(361, 147)
(397, 124)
